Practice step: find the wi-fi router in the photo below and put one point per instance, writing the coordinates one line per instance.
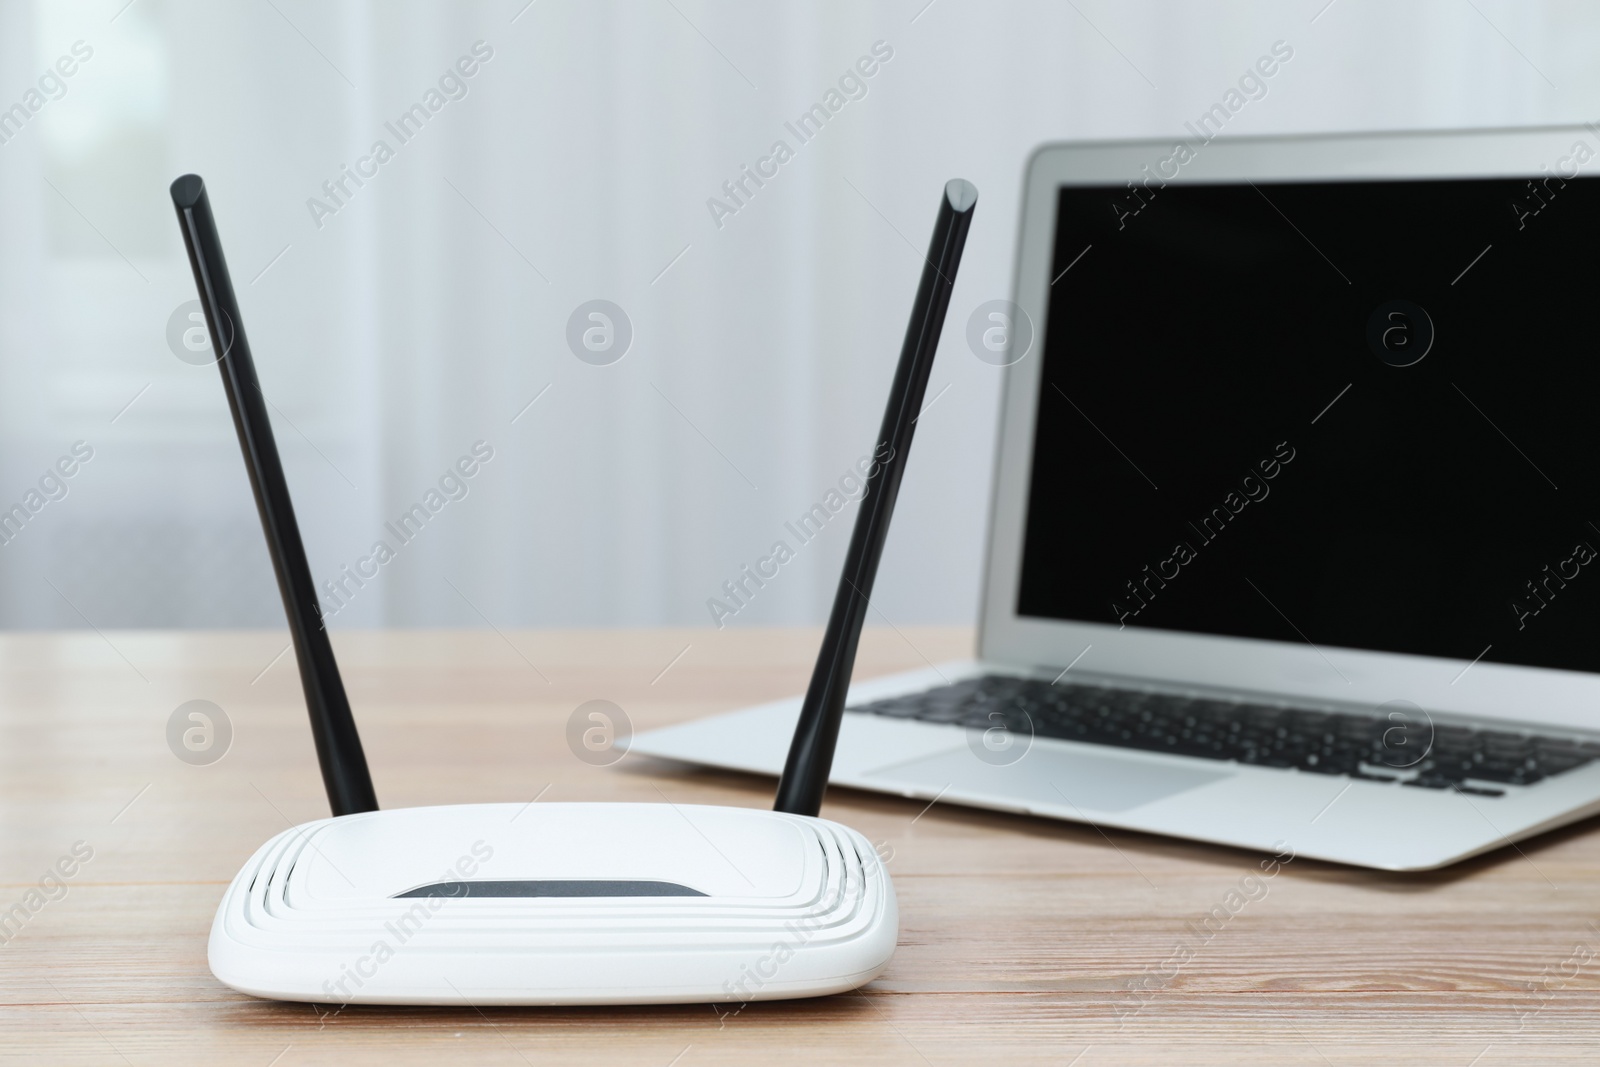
(547, 903)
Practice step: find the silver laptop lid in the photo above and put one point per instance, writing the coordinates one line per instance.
(1309, 416)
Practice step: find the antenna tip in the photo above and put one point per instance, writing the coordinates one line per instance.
(961, 193)
(187, 191)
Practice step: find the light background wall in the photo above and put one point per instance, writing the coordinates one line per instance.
(428, 312)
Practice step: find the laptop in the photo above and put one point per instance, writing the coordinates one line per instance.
(1294, 530)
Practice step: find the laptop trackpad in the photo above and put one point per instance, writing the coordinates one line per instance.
(1051, 776)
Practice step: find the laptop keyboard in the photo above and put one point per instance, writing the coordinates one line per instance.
(1404, 747)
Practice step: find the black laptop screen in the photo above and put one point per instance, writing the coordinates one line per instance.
(1358, 414)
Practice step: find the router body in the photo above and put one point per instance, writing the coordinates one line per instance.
(545, 904)
(559, 903)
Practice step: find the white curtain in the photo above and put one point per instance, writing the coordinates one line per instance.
(414, 315)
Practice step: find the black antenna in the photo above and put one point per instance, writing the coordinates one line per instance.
(344, 765)
(805, 774)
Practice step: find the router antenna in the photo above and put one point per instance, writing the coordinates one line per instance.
(805, 774)
(344, 765)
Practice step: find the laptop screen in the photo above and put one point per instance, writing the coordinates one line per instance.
(1356, 414)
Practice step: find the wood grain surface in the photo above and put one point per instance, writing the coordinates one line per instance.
(1022, 940)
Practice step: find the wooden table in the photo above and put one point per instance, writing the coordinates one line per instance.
(1021, 940)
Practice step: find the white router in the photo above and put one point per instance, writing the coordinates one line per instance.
(545, 904)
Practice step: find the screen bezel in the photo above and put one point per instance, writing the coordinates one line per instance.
(1362, 677)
